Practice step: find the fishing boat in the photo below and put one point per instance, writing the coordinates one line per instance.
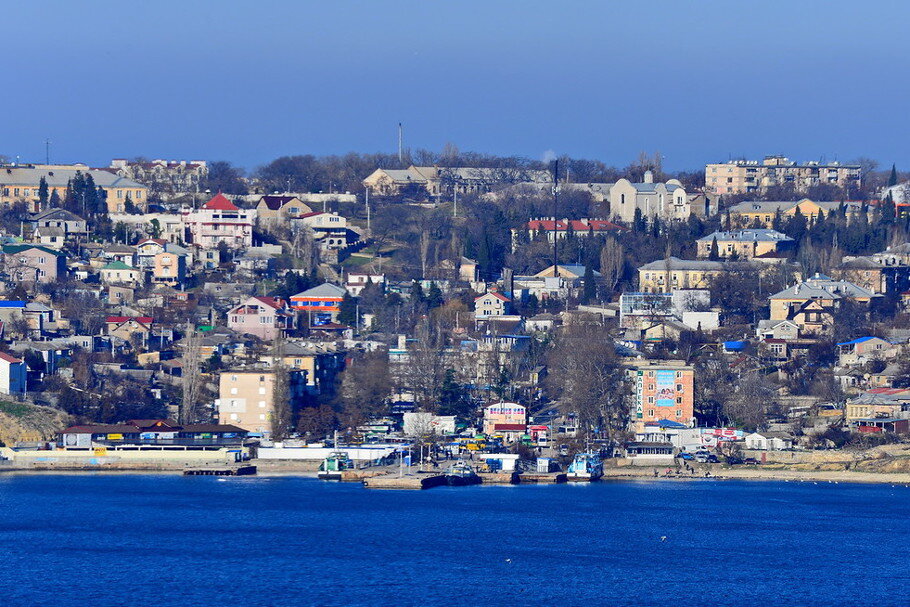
(460, 474)
(331, 467)
(585, 467)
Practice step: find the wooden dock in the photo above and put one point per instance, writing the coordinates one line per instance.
(391, 481)
(543, 477)
(222, 471)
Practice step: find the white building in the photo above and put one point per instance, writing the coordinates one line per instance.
(220, 221)
(665, 200)
(12, 375)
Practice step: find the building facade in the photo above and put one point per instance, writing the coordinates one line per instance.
(246, 398)
(663, 391)
(220, 221)
(665, 200)
(744, 176)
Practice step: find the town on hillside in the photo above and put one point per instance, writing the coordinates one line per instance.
(369, 310)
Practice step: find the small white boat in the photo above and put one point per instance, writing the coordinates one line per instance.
(586, 467)
(461, 473)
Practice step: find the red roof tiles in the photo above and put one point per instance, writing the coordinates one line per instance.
(220, 203)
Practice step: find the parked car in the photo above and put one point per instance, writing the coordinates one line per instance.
(686, 456)
(704, 457)
(734, 460)
(751, 461)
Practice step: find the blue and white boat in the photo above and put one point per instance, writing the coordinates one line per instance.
(586, 467)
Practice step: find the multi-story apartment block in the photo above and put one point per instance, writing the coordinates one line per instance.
(264, 317)
(761, 213)
(32, 263)
(449, 181)
(663, 390)
(744, 176)
(246, 397)
(164, 176)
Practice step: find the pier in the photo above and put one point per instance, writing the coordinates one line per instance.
(426, 481)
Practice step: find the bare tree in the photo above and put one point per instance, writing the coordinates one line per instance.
(612, 260)
(191, 377)
(424, 249)
(282, 411)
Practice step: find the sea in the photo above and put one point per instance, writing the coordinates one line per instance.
(148, 540)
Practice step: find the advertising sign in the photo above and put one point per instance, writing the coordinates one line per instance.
(665, 386)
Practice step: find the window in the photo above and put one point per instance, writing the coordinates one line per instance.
(261, 404)
(233, 390)
(679, 413)
(678, 401)
(261, 390)
(679, 387)
(262, 416)
(650, 412)
(650, 400)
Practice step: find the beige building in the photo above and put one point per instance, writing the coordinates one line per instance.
(745, 244)
(744, 176)
(21, 183)
(169, 268)
(449, 181)
(118, 273)
(673, 273)
(276, 210)
(246, 397)
(665, 200)
(811, 304)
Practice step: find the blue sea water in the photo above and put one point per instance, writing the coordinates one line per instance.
(187, 541)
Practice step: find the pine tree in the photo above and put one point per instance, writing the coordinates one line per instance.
(42, 193)
(347, 311)
(714, 254)
(434, 296)
(590, 286)
(892, 179)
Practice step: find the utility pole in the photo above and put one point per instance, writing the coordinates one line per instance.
(368, 209)
(455, 199)
(400, 150)
(555, 208)
(47, 151)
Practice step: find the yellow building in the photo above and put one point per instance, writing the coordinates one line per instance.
(671, 274)
(21, 183)
(745, 244)
(761, 213)
(246, 398)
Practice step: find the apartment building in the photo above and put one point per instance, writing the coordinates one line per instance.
(754, 213)
(663, 390)
(745, 244)
(246, 397)
(744, 176)
(21, 182)
(220, 221)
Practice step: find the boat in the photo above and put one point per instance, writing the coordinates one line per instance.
(331, 467)
(585, 467)
(460, 474)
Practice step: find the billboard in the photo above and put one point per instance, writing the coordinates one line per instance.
(665, 387)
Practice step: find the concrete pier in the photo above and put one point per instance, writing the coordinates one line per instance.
(423, 481)
(543, 477)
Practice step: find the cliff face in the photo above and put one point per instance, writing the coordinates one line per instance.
(21, 422)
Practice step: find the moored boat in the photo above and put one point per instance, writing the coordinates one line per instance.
(585, 467)
(332, 466)
(460, 474)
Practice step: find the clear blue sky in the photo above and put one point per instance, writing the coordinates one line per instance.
(249, 81)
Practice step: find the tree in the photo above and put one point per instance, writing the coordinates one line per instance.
(365, 387)
(714, 254)
(454, 398)
(42, 193)
(192, 381)
(347, 311)
(892, 179)
(224, 177)
(590, 286)
(585, 376)
(282, 409)
(612, 262)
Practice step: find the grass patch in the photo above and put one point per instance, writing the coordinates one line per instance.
(14, 409)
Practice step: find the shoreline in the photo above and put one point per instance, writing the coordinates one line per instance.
(644, 473)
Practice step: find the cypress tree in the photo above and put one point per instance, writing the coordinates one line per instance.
(590, 287)
(714, 254)
(42, 193)
(892, 179)
(347, 311)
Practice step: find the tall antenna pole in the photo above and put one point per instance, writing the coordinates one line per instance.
(555, 208)
(47, 151)
(400, 153)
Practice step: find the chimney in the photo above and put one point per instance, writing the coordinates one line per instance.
(649, 177)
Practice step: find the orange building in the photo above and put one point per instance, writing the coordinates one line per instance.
(664, 390)
(323, 303)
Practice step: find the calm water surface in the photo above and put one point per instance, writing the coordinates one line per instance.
(167, 540)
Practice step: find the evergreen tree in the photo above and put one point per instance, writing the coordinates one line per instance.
(453, 397)
(892, 179)
(589, 293)
(347, 311)
(714, 254)
(417, 295)
(434, 297)
(639, 223)
(55, 201)
(42, 193)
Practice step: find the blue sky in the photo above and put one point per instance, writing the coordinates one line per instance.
(250, 81)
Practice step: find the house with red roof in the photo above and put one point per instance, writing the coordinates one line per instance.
(491, 304)
(125, 327)
(12, 374)
(264, 317)
(220, 221)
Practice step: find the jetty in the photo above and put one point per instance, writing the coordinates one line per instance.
(221, 471)
(410, 481)
(543, 477)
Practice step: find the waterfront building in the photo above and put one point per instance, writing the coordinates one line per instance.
(663, 390)
(510, 420)
(246, 397)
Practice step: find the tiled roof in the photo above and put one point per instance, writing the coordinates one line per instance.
(220, 202)
(9, 358)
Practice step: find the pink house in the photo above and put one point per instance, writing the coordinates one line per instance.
(264, 317)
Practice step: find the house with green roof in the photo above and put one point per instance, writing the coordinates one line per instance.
(29, 263)
(119, 273)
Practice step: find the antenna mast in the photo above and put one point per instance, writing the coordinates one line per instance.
(400, 153)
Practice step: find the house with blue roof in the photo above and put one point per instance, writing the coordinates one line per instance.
(864, 349)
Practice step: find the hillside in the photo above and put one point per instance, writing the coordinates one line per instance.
(22, 422)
